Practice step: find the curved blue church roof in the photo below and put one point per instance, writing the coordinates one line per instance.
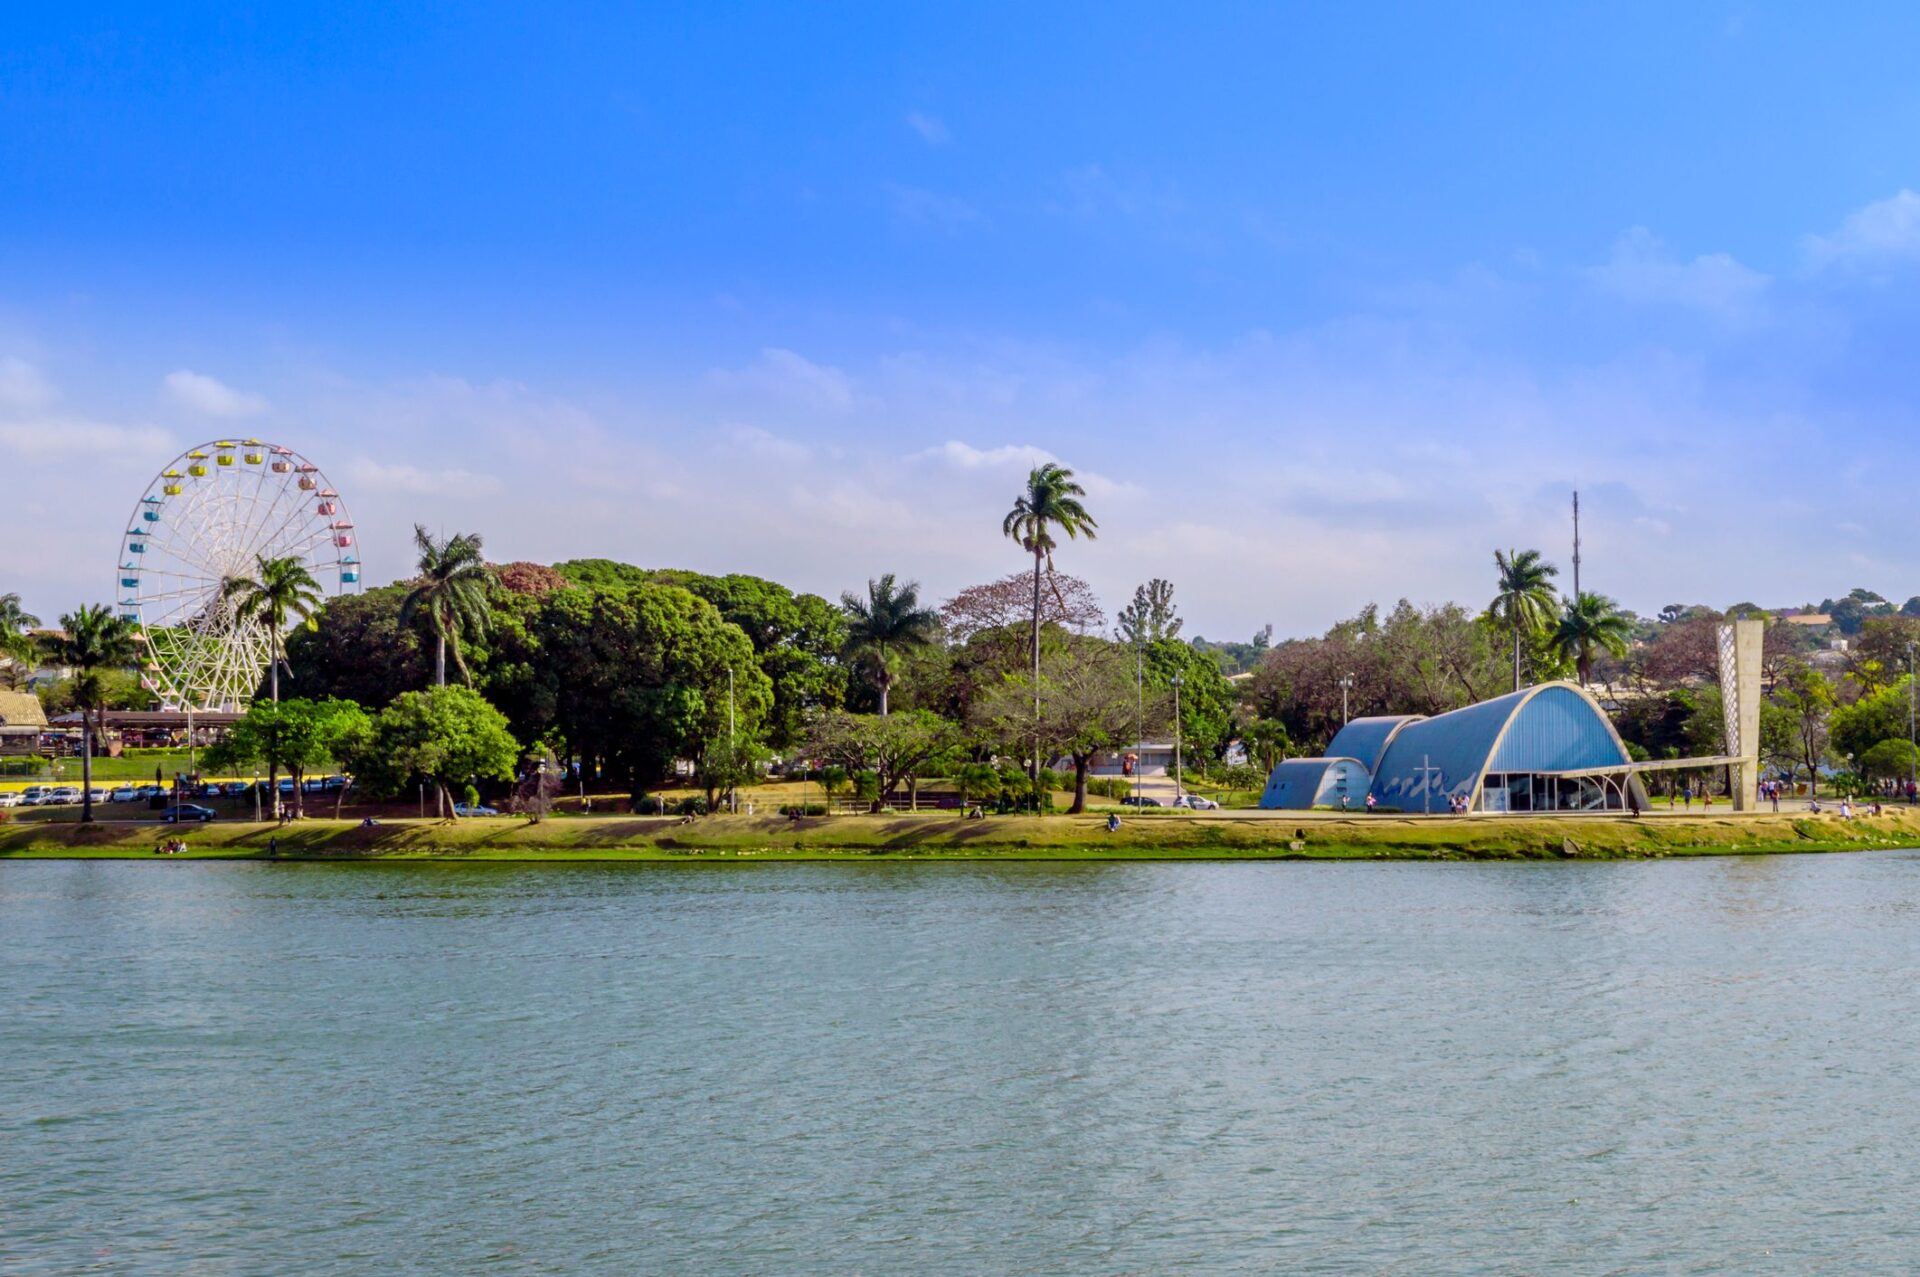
(1549, 728)
(1365, 739)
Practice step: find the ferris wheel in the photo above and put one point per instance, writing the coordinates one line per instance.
(208, 519)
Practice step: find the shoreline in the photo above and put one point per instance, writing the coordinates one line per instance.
(944, 837)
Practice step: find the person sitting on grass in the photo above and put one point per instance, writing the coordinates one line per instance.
(1113, 822)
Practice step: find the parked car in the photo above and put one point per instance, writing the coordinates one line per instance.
(1139, 800)
(461, 809)
(30, 796)
(9, 798)
(151, 791)
(179, 812)
(61, 796)
(124, 794)
(1194, 802)
(238, 788)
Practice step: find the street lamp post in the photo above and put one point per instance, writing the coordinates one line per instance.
(1139, 713)
(1913, 764)
(1178, 788)
(733, 788)
(1346, 684)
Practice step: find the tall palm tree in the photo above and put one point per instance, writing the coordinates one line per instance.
(96, 641)
(888, 619)
(1590, 623)
(16, 636)
(280, 592)
(451, 593)
(1051, 500)
(1526, 599)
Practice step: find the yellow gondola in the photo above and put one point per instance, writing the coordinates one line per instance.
(197, 455)
(169, 474)
(172, 489)
(225, 458)
(255, 458)
(197, 470)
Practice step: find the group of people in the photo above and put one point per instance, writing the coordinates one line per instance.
(170, 847)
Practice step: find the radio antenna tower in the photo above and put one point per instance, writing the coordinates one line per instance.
(1576, 544)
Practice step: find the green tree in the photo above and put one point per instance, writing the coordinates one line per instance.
(1588, 624)
(359, 650)
(1892, 759)
(1525, 601)
(1206, 701)
(1878, 716)
(451, 593)
(96, 641)
(893, 747)
(1151, 616)
(17, 647)
(1266, 741)
(1808, 697)
(298, 736)
(1088, 704)
(635, 679)
(444, 736)
(888, 620)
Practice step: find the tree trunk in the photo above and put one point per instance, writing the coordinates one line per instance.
(440, 659)
(1034, 772)
(273, 753)
(86, 767)
(1516, 654)
(886, 680)
(1080, 762)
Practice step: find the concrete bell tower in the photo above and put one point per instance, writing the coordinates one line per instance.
(1740, 654)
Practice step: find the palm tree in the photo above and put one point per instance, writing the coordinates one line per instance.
(96, 640)
(1590, 622)
(280, 592)
(1051, 500)
(451, 592)
(16, 636)
(1526, 598)
(888, 619)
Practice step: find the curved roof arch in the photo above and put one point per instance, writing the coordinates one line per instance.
(1547, 728)
(1301, 784)
(1366, 739)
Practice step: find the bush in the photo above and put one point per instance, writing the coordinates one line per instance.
(811, 809)
(1110, 786)
(690, 807)
(470, 796)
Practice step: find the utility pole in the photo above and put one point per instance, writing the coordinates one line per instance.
(733, 790)
(1576, 545)
(1139, 713)
(1346, 684)
(1913, 764)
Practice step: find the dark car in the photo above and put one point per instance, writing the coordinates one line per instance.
(1139, 800)
(186, 811)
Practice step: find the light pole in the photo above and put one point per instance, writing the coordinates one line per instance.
(1346, 683)
(1139, 713)
(1178, 788)
(733, 790)
(1913, 764)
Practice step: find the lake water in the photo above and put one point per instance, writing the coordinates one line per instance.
(1680, 1067)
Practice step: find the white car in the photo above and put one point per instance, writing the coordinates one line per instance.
(1195, 802)
(124, 794)
(64, 794)
(9, 799)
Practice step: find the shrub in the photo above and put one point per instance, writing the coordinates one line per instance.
(691, 807)
(811, 809)
(470, 796)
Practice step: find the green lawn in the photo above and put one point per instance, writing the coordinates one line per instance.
(1159, 837)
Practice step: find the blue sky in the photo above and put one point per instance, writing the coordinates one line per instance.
(1326, 301)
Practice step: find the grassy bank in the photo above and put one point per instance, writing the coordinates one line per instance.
(1001, 838)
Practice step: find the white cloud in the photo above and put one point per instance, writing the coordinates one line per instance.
(931, 129)
(767, 445)
(423, 482)
(791, 378)
(964, 456)
(1880, 233)
(1641, 270)
(22, 388)
(209, 396)
(63, 439)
